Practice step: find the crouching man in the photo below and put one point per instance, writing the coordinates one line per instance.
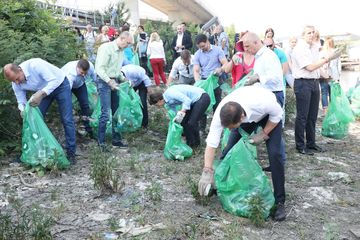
(49, 83)
(194, 101)
(248, 108)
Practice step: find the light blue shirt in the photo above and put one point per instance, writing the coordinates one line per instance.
(223, 37)
(76, 80)
(182, 94)
(209, 60)
(136, 75)
(40, 75)
(268, 67)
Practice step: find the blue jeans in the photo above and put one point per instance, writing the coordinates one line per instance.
(62, 95)
(109, 100)
(325, 93)
(82, 97)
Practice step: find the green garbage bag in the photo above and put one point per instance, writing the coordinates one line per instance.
(243, 80)
(239, 179)
(355, 101)
(135, 59)
(209, 85)
(39, 146)
(92, 94)
(175, 148)
(94, 120)
(128, 116)
(149, 65)
(339, 114)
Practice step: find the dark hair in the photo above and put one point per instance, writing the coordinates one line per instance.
(142, 27)
(231, 113)
(100, 28)
(201, 38)
(83, 64)
(125, 28)
(270, 30)
(155, 97)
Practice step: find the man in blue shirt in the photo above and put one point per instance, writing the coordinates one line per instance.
(49, 83)
(140, 82)
(76, 72)
(193, 100)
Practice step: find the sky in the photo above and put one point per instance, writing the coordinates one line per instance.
(286, 17)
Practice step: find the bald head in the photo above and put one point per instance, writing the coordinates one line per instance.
(13, 73)
(251, 42)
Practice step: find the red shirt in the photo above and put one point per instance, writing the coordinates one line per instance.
(239, 71)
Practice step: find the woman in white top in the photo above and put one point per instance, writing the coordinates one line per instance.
(156, 53)
(102, 37)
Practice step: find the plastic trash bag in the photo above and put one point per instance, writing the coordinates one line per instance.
(128, 116)
(149, 65)
(339, 114)
(209, 85)
(92, 94)
(94, 120)
(354, 98)
(39, 146)
(239, 178)
(175, 148)
(135, 59)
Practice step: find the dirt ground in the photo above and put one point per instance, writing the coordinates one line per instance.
(322, 193)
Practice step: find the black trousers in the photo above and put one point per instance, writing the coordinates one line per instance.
(273, 145)
(82, 97)
(307, 94)
(191, 120)
(142, 91)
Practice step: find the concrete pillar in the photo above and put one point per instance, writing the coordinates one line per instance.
(133, 6)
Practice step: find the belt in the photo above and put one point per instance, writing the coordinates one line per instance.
(277, 91)
(313, 79)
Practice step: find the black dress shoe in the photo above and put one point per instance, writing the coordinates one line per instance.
(305, 151)
(316, 148)
(280, 212)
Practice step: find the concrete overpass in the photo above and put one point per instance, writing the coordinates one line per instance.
(178, 11)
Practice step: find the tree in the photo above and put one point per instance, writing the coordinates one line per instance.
(28, 31)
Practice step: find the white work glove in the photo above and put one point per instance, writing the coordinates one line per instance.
(36, 98)
(259, 138)
(252, 80)
(335, 54)
(113, 85)
(179, 116)
(206, 181)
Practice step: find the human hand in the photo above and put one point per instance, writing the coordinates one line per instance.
(36, 98)
(259, 138)
(21, 114)
(206, 180)
(218, 71)
(236, 59)
(252, 80)
(179, 116)
(113, 85)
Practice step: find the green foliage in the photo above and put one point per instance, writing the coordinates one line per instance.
(257, 210)
(122, 13)
(104, 171)
(202, 200)
(22, 222)
(28, 31)
(231, 34)
(154, 192)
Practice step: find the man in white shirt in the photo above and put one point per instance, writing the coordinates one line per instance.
(183, 66)
(248, 108)
(181, 41)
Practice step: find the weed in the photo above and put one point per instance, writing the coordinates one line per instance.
(104, 172)
(54, 195)
(233, 231)
(113, 223)
(141, 220)
(331, 231)
(154, 192)
(24, 222)
(257, 211)
(137, 208)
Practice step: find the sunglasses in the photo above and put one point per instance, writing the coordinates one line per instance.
(270, 46)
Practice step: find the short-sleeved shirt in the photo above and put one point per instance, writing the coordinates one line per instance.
(179, 67)
(209, 60)
(257, 103)
(224, 37)
(302, 56)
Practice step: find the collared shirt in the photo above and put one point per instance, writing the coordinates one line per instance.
(109, 60)
(179, 67)
(209, 60)
(40, 75)
(136, 75)
(182, 94)
(303, 55)
(76, 80)
(179, 41)
(257, 103)
(268, 67)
